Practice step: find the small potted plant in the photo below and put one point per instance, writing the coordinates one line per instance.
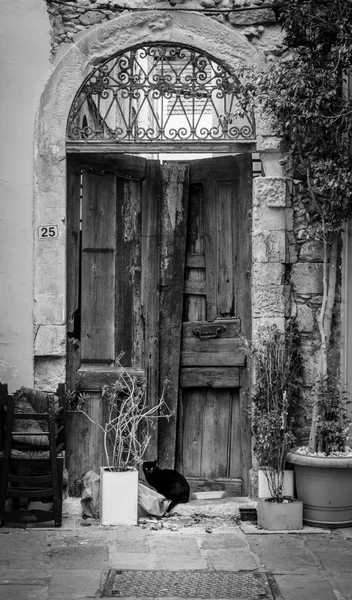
(275, 396)
(129, 423)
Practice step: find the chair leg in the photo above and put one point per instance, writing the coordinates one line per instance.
(3, 487)
(57, 476)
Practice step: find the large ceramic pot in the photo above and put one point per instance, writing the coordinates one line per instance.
(324, 484)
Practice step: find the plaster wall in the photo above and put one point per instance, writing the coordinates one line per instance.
(24, 68)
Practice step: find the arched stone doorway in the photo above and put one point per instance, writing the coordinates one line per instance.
(50, 185)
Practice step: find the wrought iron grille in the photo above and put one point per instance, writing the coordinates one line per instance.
(163, 93)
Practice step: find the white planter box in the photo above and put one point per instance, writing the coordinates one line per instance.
(263, 488)
(118, 497)
(275, 516)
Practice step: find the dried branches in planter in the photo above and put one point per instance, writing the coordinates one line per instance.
(130, 421)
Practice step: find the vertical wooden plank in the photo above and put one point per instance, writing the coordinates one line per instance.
(84, 443)
(98, 267)
(128, 264)
(192, 435)
(225, 249)
(173, 248)
(73, 274)
(211, 244)
(150, 288)
(215, 434)
(194, 305)
(235, 425)
(243, 298)
(73, 243)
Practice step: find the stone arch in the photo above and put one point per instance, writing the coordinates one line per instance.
(73, 65)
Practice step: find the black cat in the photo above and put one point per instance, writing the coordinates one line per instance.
(167, 482)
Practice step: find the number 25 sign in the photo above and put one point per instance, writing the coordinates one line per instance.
(46, 232)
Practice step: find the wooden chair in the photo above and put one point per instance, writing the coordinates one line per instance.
(31, 447)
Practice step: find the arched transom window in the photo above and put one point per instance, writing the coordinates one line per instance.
(170, 95)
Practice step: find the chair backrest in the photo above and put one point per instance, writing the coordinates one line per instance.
(34, 419)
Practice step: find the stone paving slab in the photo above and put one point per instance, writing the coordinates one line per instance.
(295, 586)
(69, 563)
(74, 584)
(23, 591)
(283, 554)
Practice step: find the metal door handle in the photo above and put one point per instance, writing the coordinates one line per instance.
(206, 332)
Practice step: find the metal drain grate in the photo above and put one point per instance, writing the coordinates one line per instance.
(187, 584)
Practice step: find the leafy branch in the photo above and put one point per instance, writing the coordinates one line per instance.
(304, 87)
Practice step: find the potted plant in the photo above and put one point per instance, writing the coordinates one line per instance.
(127, 431)
(323, 473)
(275, 397)
(305, 89)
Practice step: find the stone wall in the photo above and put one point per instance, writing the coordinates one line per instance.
(257, 24)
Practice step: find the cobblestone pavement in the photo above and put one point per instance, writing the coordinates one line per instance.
(76, 560)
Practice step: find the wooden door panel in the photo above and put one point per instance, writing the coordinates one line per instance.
(173, 222)
(128, 334)
(192, 431)
(194, 285)
(209, 452)
(217, 300)
(215, 377)
(98, 268)
(150, 288)
(216, 441)
(212, 344)
(73, 271)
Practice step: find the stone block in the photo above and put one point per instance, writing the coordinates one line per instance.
(292, 256)
(268, 219)
(268, 143)
(49, 372)
(252, 17)
(92, 17)
(271, 301)
(267, 127)
(272, 167)
(311, 251)
(49, 308)
(269, 246)
(268, 274)
(261, 324)
(305, 318)
(50, 340)
(307, 278)
(310, 361)
(270, 191)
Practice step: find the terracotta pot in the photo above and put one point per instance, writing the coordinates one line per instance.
(324, 484)
(279, 516)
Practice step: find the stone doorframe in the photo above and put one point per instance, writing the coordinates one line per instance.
(271, 213)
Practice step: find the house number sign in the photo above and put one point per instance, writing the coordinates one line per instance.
(48, 232)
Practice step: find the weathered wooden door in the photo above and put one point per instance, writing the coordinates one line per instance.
(158, 267)
(213, 435)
